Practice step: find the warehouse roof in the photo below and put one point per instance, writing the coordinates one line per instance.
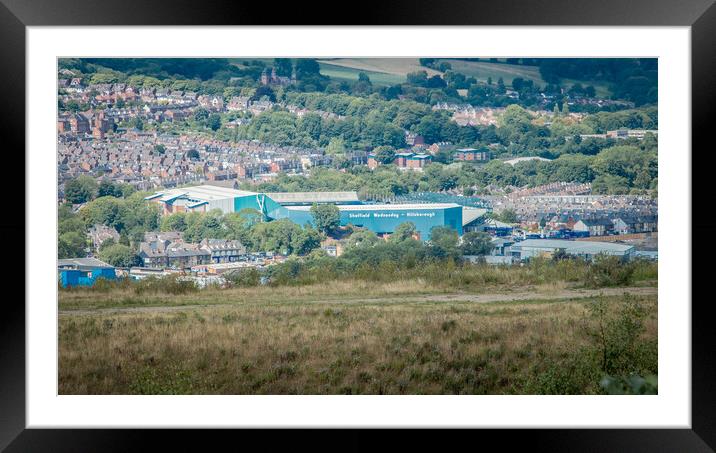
(384, 207)
(82, 263)
(524, 159)
(313, 197)
(204, 192)
(469, 215)
(589, 247)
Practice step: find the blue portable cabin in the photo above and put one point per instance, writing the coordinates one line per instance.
(83, 271)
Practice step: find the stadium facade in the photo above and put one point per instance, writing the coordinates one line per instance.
(379, 218)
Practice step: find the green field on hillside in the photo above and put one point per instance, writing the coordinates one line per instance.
(481, 70)
(351, 74)
(391, 71)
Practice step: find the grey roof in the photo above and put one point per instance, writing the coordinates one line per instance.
(469, 215)
(201, 193)
(82, 263)
(183, 251)
(313, 197)
(575, 247)
(221, 244)
(594, 222)
(384, 207)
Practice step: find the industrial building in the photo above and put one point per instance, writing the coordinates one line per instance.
(205, 198)
(379, 218)
(308, 198)
(83, 271)
(384, 218)
(532, 248)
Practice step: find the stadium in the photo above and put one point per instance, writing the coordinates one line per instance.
(379, 218)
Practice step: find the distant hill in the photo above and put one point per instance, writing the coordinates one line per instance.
(481, 70)
(381, 71)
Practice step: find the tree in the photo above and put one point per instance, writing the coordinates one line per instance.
(108, 189)
(160, 149)
(507, 216)
(326, 217)
(81, 189)
(214, 121)
(418, 78)
(307, 67)
(404, 231)
(71, 245)
(201, 114)
(264, 91)
(336, 146)
(443, 242)
(610, 184)
(137, 123)
(501, 86)
(363, 77)
(284, 236)
(430, 127)
(384, 154)
(174, 222)
(106, 243)
(362, 239)
(476, 243)
(237, 225)
(435, 82)
(560, 255)
(119, 255)
(284, 67)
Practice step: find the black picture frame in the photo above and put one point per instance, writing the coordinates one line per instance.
(16, 15)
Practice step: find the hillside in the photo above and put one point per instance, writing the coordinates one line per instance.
(382, 71)
(481, 70)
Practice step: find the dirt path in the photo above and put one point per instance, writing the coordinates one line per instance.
(560, 294)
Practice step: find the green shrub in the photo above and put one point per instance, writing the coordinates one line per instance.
(169, 284)
(618, 346)
(609, 271)
(245, 277)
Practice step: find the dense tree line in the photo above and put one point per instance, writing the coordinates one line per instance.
(613, 168)
(130, 215)
(282, 236)
(631, 79)
(365, 254)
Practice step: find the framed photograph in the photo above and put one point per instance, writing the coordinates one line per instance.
(476, 217)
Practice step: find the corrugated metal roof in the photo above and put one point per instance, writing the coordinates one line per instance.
(469, 215)
(384, 207)
(589, 247)
(82, 262)
(313, 197)
(202, 193)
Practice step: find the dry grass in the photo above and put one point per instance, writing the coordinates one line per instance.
(286, 346)
(345, 290)
(551, 288)
(366, 282)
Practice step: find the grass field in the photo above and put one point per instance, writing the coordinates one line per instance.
(396, 66)
(350, 74)
(400, 339)
(481, 70)
(382, 71)
(391, 71)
